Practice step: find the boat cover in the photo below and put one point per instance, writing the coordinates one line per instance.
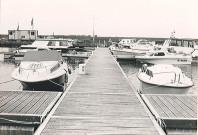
(45, 55)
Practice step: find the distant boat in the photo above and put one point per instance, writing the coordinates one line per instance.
(164, 57)
(122, 52)
(42, 70)
(77, 54)
(128, 50)
(60, 45)
(164, 75)
(187, 46)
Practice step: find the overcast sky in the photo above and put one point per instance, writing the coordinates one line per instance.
(147, 18)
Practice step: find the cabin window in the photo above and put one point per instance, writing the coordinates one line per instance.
(10, 32)
(32, 33)
(159, 54)
(173, 43)
(63, 43)
(28, 47)
(50, 43)
(60, 43)
(22, 36)
(55, 67)
(185, 43)
(179, 43)
(191, 44)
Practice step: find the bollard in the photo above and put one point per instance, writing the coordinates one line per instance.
(81, 68)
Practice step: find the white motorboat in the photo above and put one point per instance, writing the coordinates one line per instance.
(143, 45)
(122, 51)
(42, 70)
(77, 54)
(60, 45)
(164, 57)
(164, 75)
(128, 50)
(187, 46)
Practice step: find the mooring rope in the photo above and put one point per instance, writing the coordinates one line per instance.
(55, 83)
(7, 81)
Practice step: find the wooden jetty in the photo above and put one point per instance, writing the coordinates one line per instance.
(177, 113)
(101, 101)
(21, 112)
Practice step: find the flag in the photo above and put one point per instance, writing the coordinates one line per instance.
(18, 27)
(32, 22)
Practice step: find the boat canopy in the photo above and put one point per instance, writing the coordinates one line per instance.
(164, 68)
(44, 55)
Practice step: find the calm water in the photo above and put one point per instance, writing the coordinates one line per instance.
(6, 68)
(131, 69)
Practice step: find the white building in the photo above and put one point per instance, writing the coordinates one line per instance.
(22, 34)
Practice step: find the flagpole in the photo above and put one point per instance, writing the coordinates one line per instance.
(18, 26)
(32, 23)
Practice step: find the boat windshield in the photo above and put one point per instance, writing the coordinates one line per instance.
(45, 55)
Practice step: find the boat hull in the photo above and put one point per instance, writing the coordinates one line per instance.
(119, 54)
(146, 88)
(55, 84)
(155, 61)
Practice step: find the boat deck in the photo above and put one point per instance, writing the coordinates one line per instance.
(102, 101)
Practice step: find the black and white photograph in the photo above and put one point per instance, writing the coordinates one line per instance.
(98, 67)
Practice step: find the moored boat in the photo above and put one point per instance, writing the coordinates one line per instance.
(42, 70)
(164, 75)
(60, 45)
(164, 57)
(122, 51)
(77, 54)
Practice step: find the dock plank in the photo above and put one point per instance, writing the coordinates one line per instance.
(100, 102)
(10, 102)
(23, 104)
(188, 112)
(185, 113)
(19, 107)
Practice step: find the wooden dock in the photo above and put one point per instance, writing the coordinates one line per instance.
(23, 111)
(100, 102)
(174, 111)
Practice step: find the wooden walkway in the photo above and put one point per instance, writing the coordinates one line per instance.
(177, 111)
(100, 102)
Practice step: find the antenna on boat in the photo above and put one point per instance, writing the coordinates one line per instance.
(93, 18)
(32, 23)
(173, 34)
